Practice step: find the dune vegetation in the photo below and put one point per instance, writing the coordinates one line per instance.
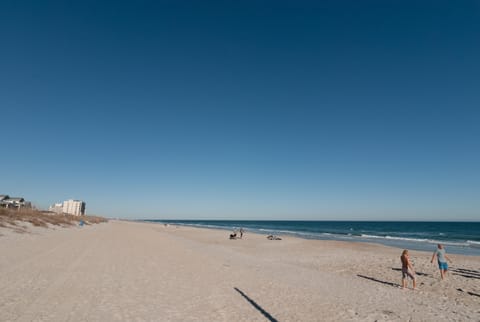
(15, 219)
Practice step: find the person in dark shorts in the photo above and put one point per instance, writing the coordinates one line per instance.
(407, 270)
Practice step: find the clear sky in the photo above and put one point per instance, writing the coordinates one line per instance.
(243, 109)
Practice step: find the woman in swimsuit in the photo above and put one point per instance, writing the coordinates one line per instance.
(407, 270)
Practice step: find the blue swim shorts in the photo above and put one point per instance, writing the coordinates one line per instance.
(443, 265)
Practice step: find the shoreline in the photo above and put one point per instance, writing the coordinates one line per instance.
(129, 270)
(332, 242)
(452, 247)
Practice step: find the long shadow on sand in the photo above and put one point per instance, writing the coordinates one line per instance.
(468, 273)
(469, 293)
(416, 273)
(379, 281)
(258, 307)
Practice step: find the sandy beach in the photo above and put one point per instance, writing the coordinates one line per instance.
(129, 271)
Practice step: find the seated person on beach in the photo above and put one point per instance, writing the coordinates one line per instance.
(407, 270)
(442, 260)
(273, 237)
(233, 235)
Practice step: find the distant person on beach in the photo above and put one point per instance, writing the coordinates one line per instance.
(407, 270)
(241, 233)
(233, 235)
(442, 260)
(273, 237)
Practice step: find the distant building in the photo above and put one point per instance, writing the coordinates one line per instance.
(3, 201)
(74, 207)
(56, 208)
(71, 207)
(15, 202)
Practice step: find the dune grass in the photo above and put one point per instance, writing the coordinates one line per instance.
(14, 219)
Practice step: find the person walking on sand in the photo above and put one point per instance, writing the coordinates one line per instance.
(407, 270)
(442, 260)
(241, 233)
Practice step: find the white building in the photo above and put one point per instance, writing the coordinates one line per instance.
(16, 202)
(56, 208)
(74, 207)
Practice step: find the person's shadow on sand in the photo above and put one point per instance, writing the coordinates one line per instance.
(467, 273)
(255, 305)
(469, 293)
(379, 281)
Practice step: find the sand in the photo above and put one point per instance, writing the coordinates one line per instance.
(127, 271)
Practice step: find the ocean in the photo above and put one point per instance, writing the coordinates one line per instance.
(457, 237)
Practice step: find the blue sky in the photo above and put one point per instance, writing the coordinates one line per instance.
(243, 109)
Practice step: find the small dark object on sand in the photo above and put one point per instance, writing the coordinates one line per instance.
(273, 237)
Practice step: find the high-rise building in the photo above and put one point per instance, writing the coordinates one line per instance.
(74, 207)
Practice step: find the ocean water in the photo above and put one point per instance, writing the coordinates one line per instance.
(457, 237)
